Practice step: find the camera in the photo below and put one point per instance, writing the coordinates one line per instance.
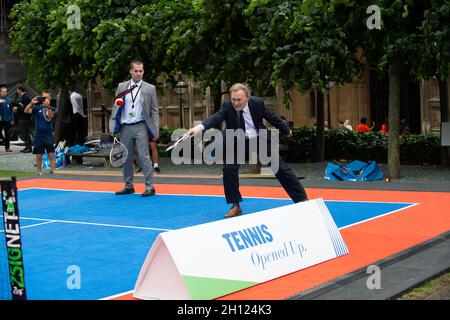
(40, 99)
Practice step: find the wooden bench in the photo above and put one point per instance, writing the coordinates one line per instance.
(77, 158)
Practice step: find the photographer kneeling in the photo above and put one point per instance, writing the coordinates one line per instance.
(43, 137)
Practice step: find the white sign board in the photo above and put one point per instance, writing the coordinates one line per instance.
(214, 259)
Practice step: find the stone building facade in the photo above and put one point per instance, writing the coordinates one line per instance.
(365, 97)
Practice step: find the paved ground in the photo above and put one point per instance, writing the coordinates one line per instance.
(414, 178)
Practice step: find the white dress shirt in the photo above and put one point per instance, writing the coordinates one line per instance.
(250, 130)
(77, 103)
(133, 105)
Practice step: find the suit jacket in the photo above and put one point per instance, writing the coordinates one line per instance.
(6, 114)
(149, 102)
(258, 111)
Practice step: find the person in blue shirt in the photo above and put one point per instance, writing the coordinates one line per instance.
(6, 116)
(43, 113)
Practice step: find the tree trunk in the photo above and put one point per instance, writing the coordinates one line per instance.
(60, 114)
(394, 121)
(320, 142)
(216, 92)
(443, 102)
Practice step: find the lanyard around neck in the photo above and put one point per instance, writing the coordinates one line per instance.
(134, 98)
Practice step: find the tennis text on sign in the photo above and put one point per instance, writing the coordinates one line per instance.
(248, 237)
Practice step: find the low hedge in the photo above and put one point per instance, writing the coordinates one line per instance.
(343, 144)
(347, 145)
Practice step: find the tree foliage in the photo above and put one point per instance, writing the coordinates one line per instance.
(36, 39)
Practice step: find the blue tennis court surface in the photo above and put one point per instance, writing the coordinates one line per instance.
(91, 245)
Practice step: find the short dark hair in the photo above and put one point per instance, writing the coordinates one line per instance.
(21, 88)
(47, 92)
(363, 120)
(135, 62)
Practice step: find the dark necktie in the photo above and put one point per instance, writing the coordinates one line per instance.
(241, 120)
(124, 92)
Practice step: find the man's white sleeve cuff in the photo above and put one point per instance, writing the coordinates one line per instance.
(200, 127)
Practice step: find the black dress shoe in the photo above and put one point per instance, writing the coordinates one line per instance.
(26, 150)
(148, 193)
(125, 191)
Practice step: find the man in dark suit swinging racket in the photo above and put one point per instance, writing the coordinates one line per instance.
(247, 112)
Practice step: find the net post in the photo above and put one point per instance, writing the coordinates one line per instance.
(13, 238)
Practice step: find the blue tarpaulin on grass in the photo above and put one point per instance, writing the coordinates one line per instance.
(353, 171)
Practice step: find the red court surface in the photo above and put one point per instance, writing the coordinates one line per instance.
(368, 242)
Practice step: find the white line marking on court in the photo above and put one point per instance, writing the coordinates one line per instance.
(34, 225)
(202, 195)
(218, 196)
(376, 217)
(72, 190)
(95, 224)
(117, 295)
(38, 224)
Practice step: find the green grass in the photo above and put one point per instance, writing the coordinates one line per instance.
(18, 174)
(428, 288)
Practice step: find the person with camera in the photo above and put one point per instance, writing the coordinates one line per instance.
(43, 113)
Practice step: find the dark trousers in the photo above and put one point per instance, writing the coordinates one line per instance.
(78, 129)
(25, 135)
(6, 127)
(287, 178)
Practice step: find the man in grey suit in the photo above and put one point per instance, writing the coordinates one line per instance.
(137, 121)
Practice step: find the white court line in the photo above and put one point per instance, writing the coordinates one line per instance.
(95, 224)
(376, 217)
(34, 225)
(158, 229)
(216, 196)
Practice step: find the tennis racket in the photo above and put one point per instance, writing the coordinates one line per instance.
(180, 139)
(119, 154)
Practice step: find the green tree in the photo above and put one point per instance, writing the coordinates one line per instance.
(213, 46)
(435, 58)
(396, 47)
(36, 39)
(56, 53)
(145, 33)
(313, 42)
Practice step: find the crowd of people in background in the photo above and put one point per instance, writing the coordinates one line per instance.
(363, 126)
(19, 126)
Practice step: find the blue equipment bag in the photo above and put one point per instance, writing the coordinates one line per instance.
(353, 171)
(60, 160)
